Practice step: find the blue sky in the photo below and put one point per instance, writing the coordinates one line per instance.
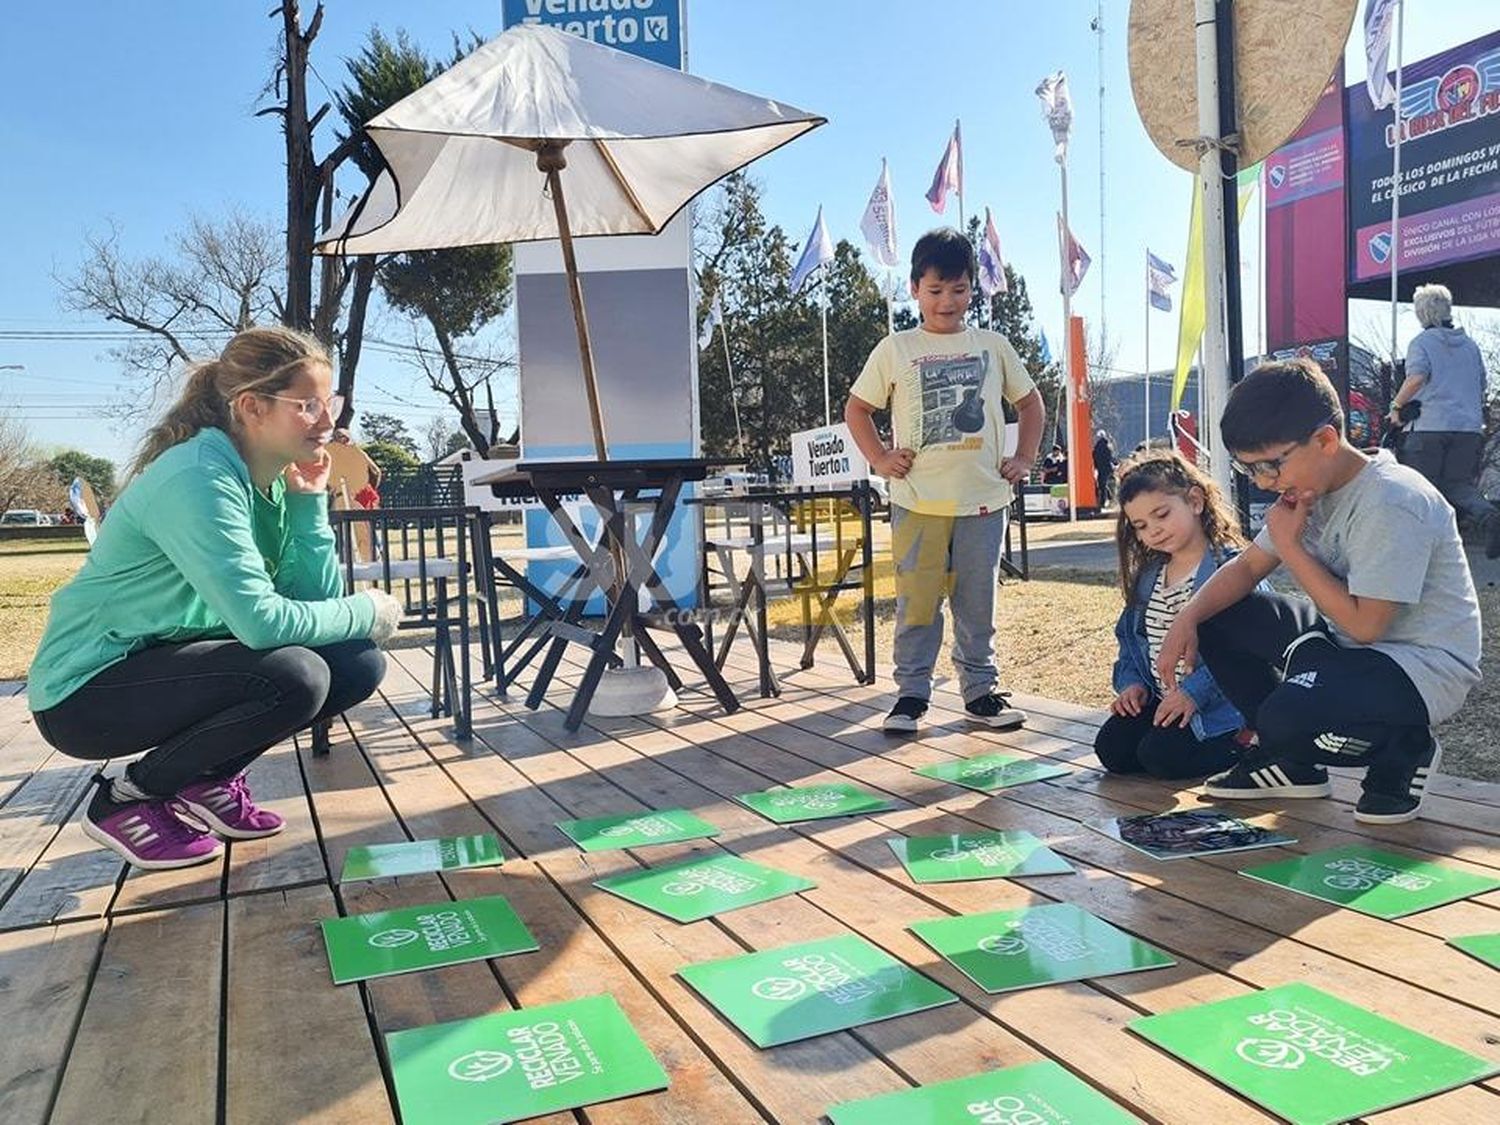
(141, 113)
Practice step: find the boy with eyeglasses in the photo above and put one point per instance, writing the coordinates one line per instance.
(1388, 644)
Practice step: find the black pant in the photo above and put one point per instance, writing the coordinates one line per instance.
(1130, 744)
(207, 709)
(1450, 459)
(1323, 705)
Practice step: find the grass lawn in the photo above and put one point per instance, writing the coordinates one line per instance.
(30, 569)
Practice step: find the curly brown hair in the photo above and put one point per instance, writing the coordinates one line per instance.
(1166, 470)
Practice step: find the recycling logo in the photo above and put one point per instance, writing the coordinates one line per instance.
(1273, 1054)
(479, 1066)
(393, 939)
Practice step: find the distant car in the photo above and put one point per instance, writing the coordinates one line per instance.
(22, 517)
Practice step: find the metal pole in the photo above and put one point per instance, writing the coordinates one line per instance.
(1147, 364)
(1214, 374)
(1396, 182)
(734, 398)
(1075, 462)
(1103, 257)
(827, 393)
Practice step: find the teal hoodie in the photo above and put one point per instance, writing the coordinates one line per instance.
(192, 551)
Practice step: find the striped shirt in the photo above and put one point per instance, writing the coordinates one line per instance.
(1161, 611)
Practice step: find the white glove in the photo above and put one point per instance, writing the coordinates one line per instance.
(387, 615)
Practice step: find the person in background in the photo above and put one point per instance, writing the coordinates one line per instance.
(1104, 467)
(1445, 373)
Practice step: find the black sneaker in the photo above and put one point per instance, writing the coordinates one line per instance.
(994, 710)
(1257, 777)
(1378, 807)
(905, 716)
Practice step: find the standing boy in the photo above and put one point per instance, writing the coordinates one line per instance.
(1387, 647)
(950, 483)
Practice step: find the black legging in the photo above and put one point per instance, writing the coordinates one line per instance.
(1131, 744)
(207, 709)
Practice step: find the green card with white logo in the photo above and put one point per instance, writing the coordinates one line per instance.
(416, 857)
(1310, 1057)
(423, 937)
(517, 1065)
(813, 802)
(977, 855)
(1382, 884)
(1039, 1093)
(701, 888)
(799, 991)
(1486, 947)
(1011, 949)
(636, 830)
(989, 772)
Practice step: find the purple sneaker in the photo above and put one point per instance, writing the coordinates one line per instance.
(226, 807)
(146, 833)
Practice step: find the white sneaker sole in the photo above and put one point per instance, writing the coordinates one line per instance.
(1301, 792)
(899, 725)
(99, 836)
(1009, 719)
(206, 815)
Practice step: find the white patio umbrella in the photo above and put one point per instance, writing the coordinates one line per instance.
(482, 154)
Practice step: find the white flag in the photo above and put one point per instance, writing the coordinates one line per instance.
(950, 173)
(1380, 22)
(991, 263)
(817, 250)
(712, 321)
(1076, 260)
(879, 223)
(1057, 107)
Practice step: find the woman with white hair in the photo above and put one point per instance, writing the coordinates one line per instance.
(1445, 372)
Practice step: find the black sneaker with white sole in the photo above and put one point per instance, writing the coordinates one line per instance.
(1379, 807)
(906, 716)
(1258, 777)
(993, 709)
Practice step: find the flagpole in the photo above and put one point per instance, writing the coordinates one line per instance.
(1213, 381)
(1396, 183)
(827, 392)
(959, 141)
(1075, 463)
(1148, 349)
(890, 304)
(734, 398)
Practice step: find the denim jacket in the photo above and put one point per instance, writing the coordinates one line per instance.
(1215, 714)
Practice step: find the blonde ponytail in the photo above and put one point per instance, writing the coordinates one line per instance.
(258, 359)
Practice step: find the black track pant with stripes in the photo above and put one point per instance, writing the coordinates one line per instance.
(1311, 700)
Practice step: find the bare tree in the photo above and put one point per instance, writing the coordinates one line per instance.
(217, 281)
(465, 379)
(26, 479)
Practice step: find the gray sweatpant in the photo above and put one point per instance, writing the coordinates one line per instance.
(1450, 460)
(956, 556)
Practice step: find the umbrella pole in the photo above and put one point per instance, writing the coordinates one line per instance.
(550, 160)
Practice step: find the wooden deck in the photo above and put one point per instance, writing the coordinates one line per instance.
(204, 995)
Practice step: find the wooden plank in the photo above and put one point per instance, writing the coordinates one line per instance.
(22, 751)
(74, 878)
(325, 1067)
(292, 857)
(44, 976)
(34, 816)
(148, 1043)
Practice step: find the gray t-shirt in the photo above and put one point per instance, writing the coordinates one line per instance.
(1453, 396)
(1389, 534)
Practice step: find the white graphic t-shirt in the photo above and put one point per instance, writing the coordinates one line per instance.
(944, 392)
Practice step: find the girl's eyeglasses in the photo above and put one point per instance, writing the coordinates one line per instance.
(312, 409)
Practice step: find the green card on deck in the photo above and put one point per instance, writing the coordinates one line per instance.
(1310, 1057)
(701, 888)
(1037, 945)
(816, 987)
(976, 855)
(1486, 947)
(813, 802)
(636, 830)
(388, 942)
(1039, 1093)
(516, 1065)
(989, 772)
(417, 857)
(1383, 884)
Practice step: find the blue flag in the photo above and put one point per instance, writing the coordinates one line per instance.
(1159, 275)
(1046, 348)
(817, 250)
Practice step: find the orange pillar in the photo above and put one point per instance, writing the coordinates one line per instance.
(1081, 425)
